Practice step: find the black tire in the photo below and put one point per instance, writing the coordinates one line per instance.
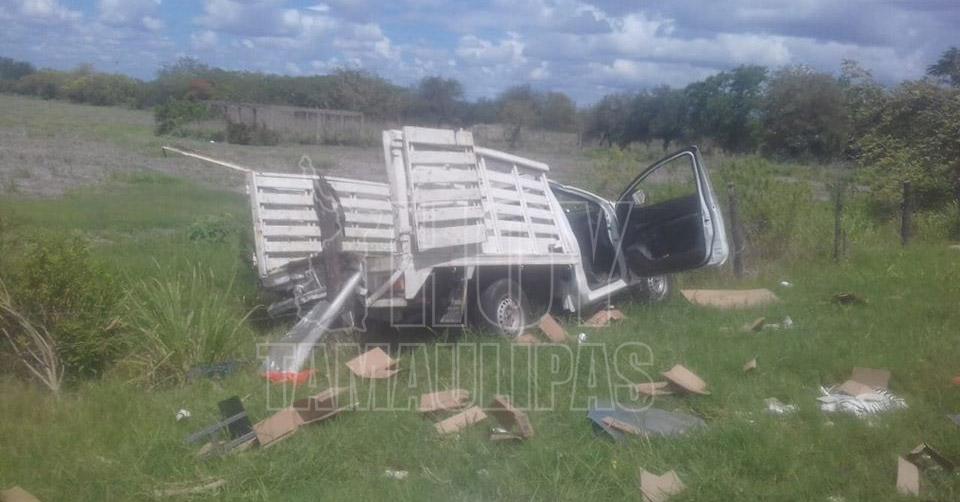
(655, 289)
(503, 308)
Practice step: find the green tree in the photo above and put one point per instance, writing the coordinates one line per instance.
(438, 99)
(11, 69)
(725, 107)
(558, 112)
(518, 111)
(947, 68)
(804, 115)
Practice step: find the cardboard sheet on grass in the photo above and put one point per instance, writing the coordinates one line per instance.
(553, 329)
(920, 459)
(304, 411)
(730, 298)
(444, 400)
(374, 363)
(620, 422)
(17, 494)
(515, 421)
(603, 318)
(679, 380)
(659, 488)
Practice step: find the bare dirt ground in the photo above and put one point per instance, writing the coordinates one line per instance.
(49, 147)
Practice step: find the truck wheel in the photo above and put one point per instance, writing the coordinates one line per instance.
(656, 289)
(504, 308)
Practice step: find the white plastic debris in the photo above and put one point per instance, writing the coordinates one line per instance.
(870, 403)
(582, 338)
(787, 323)
(392, 474)
(183, 414)
(776, 407)
(786, 284)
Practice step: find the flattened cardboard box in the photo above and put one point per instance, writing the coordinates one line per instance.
(373, 363)
(660, 488)
(508, 415)
(444, 400)
(285, 422)
(730, 298)
(553, 329)
(687, 380)
(461, 420)
(603, 318)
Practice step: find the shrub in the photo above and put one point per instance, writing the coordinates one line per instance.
(173, 115)
(33, 346)
(103, 89)
(60, 287)
(46, 84)
(244, 134)
(179, 323)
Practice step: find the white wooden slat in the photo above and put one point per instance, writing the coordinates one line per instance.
(379, 218)
(275, 262)
(429, 238)
(368, 233)
(368, 246)
(441, 157)
(504, 194)
(291, 231)
(421, 195)
(519, 226)
(534, 212)
(345, 188)
(535, 198)
(437, 136)
(431, 174)
(289, 199)
(268, 214)
(523, 245)
(511, 159)
(304, 183)
(358, 203)
(507, 178)
(434, 215)
(292, 246)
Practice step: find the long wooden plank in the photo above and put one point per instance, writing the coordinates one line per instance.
(507, 178)
(421, 195)
(450, 236)
(437, 136)
(534, 212)
(368, 233)
(358, 203)
(379, 247)
(304, 183)
(379, 218)
(519, 226)
(434, 215)
(511, 159)
(523, 245)
(287, 199)
(432, 174)
(440, 157)
(504, 194)
(344, 188)
(291, 231)
(292, 246)
(267, 214)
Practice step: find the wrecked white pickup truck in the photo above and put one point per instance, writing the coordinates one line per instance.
(463, 234)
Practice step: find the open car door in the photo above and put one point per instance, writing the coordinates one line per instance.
(669, 218)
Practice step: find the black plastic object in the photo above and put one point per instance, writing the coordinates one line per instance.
(232, 407)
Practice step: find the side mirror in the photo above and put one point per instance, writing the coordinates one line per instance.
(639, 197)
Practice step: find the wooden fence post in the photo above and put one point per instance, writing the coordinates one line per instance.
(735, 232)
(906, 209)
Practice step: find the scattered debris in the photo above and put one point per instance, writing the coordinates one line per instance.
(908, 477)
(755, 326)
(847, 298)
(776, 407)
(461, 420)
(786, 284)
(653, 388)
(510, 417)
(878, 401)
(649, 421)
(182, 414)
(582, 338)
(621, 426)
(660, 488)
(192, 488)
(730, 298)
(750, 365)
(235, 421)
(873, 377)
(445, 400)
(787, 323)
(374, 363)
(603, 318)
(501, 434)
(927, 458)
(233, 407)
(922, 458)
(681, 377)
(285, 422)
(955, 419)
(392, 474)
(553, 329)
(292, 377)
(526, 339)
(17, 494)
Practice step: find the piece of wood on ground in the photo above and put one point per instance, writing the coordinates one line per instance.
(553, 329)
(877, 378)
(730, 298)
(687, 380)
(373, 363)
(750, 365)
(621, 426)
(755, 326)
(17, 494)
(461, 420)
(659, 488)
(181, 489)
(320, 406)
(908, 477)
(603, 318)
(526, 339)
(854, 388)
(510, 416)
(653, 388)
(444, 400)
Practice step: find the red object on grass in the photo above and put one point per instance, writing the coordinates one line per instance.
(296, 378)
(956, 380)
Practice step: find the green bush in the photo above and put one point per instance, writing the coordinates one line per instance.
(179, 323)
(46, 84)
(212, 228)
(102, 89)
(58, 285)
(172, 116)
(244, 134)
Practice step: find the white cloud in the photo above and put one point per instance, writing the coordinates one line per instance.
(204, 40)
(477, 50)
(48, 10)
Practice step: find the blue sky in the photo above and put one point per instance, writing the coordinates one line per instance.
(584, 48)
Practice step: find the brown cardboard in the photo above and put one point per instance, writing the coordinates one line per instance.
(444, 400)
(373, 363)
(461, 420)
(603, 318)
(755, 326)
(278, 426)
(908, 477)
(17, 494)
(319, 407)
(553, 329)
(872, 377)
(854, 388)
(659, 488)
(621, 426)
(686, 380)
(509, 416)
(653, 388)
(526, 339)
(304, 411)
(730, 298)
(750, 365)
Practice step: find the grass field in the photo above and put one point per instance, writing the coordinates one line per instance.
(109, 439)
